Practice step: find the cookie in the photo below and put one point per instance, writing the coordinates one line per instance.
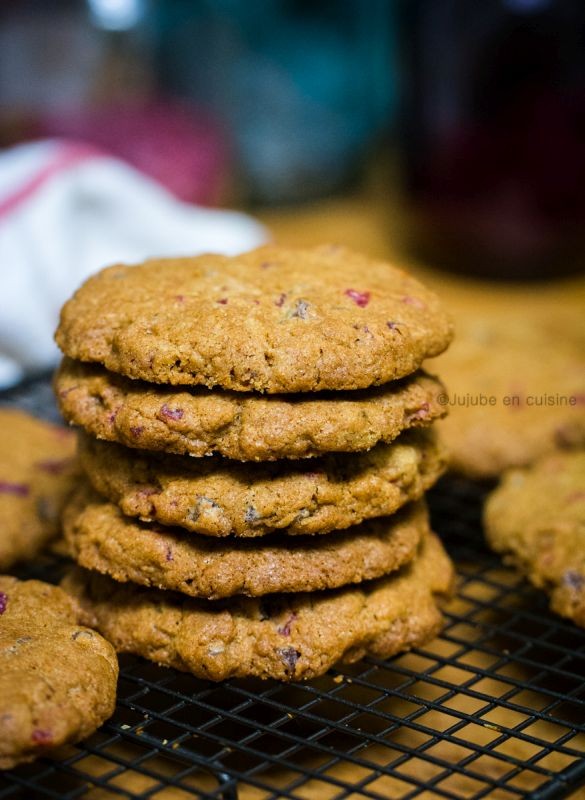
(102, 538)
(536, 517)
(57, 678)
(272, 320)
(216, 497)
(199, 422)
(283, 636)
(515, 391)
(38, 469)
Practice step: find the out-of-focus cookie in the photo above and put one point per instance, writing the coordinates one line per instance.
(200, 422)
(220, 498)
(536, 518)
(57, 678)
(102, 539)
(288, 637)
(38, 470)
(271, 320)
(515, 391)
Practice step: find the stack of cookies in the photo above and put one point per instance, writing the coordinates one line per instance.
(256, 445)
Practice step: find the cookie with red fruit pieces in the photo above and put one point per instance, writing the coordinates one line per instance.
(272, 320)
(38, 471)
(57, 677)
(536, 519)
(289, 637)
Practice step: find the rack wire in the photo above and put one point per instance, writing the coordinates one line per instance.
(494, 707)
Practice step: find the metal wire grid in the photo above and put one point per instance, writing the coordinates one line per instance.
(494, 707)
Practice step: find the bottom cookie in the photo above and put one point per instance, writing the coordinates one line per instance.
(57, 679)
(287, 637)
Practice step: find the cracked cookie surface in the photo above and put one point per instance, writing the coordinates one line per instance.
(536, 518)
(287, 637)
(271, 320)
(200, 422)
(57, 678)
(101, 538)
(217, 497)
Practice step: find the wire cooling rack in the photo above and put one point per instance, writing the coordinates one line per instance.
(494, 707)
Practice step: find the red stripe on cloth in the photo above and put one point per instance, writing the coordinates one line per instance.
(66, 156)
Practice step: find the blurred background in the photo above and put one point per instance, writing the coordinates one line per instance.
(468, 117)
(445, 135)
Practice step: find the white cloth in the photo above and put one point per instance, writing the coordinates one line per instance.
(67, 210)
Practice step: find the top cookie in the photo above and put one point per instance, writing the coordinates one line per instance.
(272, 320)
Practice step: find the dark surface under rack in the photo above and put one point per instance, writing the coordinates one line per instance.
(495, 707)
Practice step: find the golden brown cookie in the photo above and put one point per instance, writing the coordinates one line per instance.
(272, 320)
(57, 678)
(102, 539)
(38, 470)
(200, 422)
(515, 391)
(217, 497)
(536, 517)
(288, 637)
